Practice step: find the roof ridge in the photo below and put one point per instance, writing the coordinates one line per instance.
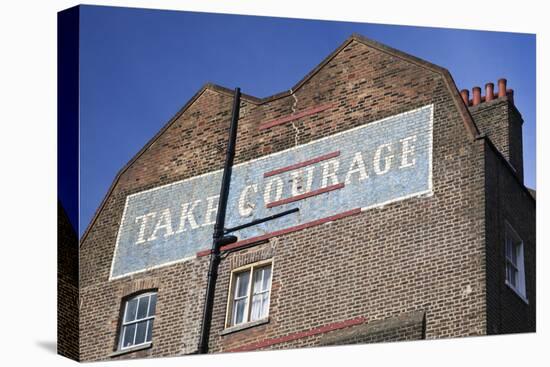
(459, 103)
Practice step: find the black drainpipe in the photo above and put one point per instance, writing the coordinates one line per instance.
(218, 236)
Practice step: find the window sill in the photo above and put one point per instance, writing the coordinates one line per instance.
(522, 297)
(131, 349)
(244, 326)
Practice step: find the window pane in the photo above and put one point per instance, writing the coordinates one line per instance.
(238, 311)
(142, 307)
(513, 276)
(250, 307)
(515, 254)
(153, 305)
(131, 310)
(242, 284)
(140, 332)
(256, 312)
(267, 277)
(508, 248)
(129, 332)
(257, 285)
(260, 306)
(149, 331)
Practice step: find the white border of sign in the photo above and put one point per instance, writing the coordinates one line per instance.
(36, 249)
(426, 193)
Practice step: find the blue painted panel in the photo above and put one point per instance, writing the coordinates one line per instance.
(378, 163)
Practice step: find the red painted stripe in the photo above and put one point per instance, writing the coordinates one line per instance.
(306, 195)
(296, 116)
(282, 231)
(302, 164)
(204, 253)
(299, 335)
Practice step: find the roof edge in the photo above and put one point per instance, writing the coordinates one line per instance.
(468, 121)
(509, 167)
(139, 154)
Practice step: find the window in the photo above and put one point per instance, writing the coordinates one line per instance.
(137, 322)
(515, 271)
(249, 300)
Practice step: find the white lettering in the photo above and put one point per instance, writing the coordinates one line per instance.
(278, 192)
(407, 150)
(187, 214)
(144, 220)
(211, 210)
(357, 161)
(164, 222)
(246, 207)
(327, 174)
(387, 160)
(298, 181)
(156, 224)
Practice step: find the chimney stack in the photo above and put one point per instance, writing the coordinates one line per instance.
(465, 93)
(503, 125)
(477, 96)
(489, 92)
(501, 87)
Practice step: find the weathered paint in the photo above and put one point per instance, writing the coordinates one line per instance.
(378, 163)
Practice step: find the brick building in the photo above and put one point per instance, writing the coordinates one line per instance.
(413, 221)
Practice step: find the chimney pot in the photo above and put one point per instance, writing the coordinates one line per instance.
(489, 92)
(465, 93)
(501, 87)
(477, 96)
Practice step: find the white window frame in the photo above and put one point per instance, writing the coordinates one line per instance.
(513, 240)
(124, 323)
(229, 322)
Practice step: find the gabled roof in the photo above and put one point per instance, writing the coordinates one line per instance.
(468, 121)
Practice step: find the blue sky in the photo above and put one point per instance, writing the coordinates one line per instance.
(139, 67)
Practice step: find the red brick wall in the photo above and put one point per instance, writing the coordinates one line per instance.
(424, 254)
(507, 200)
(500, 120)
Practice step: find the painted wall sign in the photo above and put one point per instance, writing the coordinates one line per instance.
(364, 167)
